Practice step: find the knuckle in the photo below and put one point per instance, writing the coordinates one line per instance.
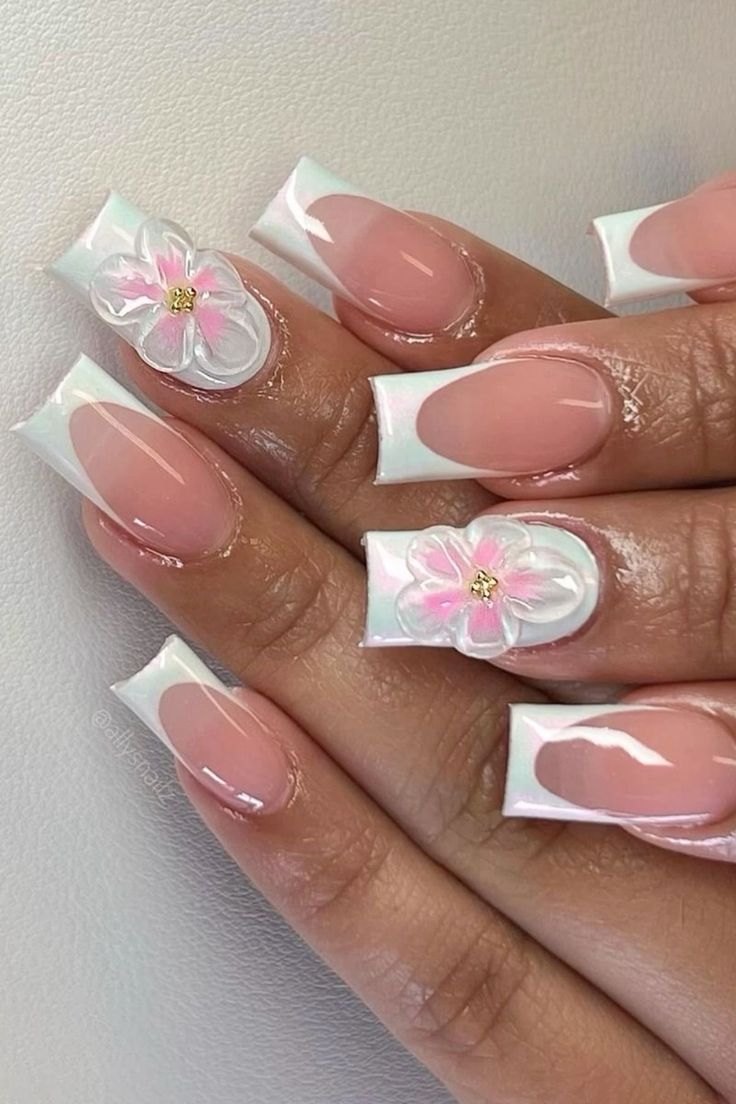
(708, 347)
(342, 457)
(294, 608)
(706, 578)
(481, 1005)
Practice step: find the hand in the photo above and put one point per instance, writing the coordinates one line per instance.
(518, 959)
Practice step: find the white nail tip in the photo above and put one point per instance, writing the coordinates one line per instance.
(285, 227)
(184, 310)
(533, 726)
(47, 431)
(498, 584)
(627, 281)
(402, 455)
(175, 664)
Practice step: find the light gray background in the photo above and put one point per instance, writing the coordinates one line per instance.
(137, 965)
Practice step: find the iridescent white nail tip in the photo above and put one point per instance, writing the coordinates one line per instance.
(498, 584)
(184, 310)
(174, 665)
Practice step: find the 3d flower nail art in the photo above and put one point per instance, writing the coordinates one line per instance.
(685, 245)
(184, 310)
(495, 585)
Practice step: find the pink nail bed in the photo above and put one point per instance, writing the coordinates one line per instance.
(506, 418)
(620, 763)
(220, 740)
(144, 474)
(686, 245)
(390, 264)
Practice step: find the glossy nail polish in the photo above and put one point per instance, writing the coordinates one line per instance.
(620, 763)
(134, 466)
(498, 584)
(393, 266)
(222, 742)
(184, 310)
(505, 418)
(682, 246)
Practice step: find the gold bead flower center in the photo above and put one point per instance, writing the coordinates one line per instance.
(180, 300)
(483, 585)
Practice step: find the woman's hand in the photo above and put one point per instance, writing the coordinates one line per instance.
(520, 960)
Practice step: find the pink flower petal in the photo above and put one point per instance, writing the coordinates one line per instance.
(226, 341)
(214, 274)
(485, 629)
(168, 343)
(124, 289)
(169, 248)
(425, 610)
(491, 538)
(440, 553)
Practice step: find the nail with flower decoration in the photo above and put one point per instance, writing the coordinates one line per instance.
(500, 583)
(185, 311)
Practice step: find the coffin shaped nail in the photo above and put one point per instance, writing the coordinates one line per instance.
(131, 464)
(613, 764)
(681, 246)
(498, 584)
(390, 264)
(505, 418)
(217, 737)
(184, 310)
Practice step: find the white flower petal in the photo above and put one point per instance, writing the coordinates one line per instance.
(542, 585)
(226, 343)
(426, 610)
(125, 291)
(168, 247)
(217, 279)
(167, 345)
(485, 629)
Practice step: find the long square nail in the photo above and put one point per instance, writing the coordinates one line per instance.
(223, 743)
(184, 310)
(131, 464)
(390, 264)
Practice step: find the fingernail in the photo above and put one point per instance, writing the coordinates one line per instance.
(498, 584)
(184, 310)
(388, 263)
(615, 763)
(137, 469)
(217, 737)
(511, 417)
(680, 246)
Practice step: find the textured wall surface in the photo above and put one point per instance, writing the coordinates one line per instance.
(138, 966)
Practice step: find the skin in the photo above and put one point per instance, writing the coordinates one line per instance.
(521, 961)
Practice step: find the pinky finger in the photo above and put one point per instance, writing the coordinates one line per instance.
(661, 763)
(475, 999)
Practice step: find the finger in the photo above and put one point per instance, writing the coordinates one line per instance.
(596, 407)
(417, 289)
(424, 732)
(278, 384)
(458, 984)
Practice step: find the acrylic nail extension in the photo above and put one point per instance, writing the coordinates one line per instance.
(498, 584)
(222, 742)
(184, 310)
(505, 418)
(390, 264)
(135, 467)
(682, 246)
(613, 764)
